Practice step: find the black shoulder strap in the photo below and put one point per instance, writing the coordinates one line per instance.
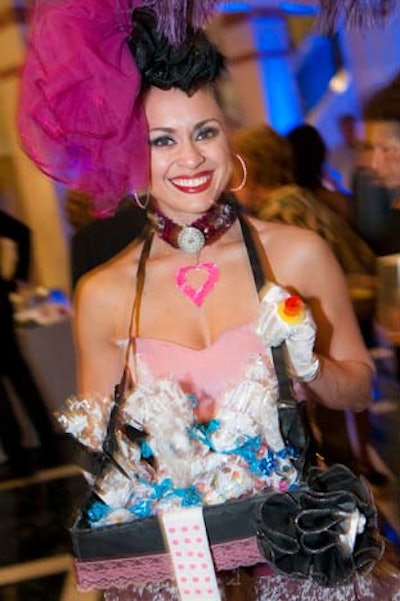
(254, 257)
(294, 425)
(253, 250)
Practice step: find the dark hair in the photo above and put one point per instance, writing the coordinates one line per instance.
(309, 154)
(188, 66)
(267, 154)
(346, 118)
(384, 104)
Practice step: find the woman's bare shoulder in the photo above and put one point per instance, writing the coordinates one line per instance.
(294, 253)
(281, 236)
(107, 281)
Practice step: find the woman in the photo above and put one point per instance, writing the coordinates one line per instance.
(196, 307)
(191, 166)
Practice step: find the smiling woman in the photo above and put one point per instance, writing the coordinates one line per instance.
(190, 157)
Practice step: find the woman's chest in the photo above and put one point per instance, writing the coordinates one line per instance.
(205, 374)
(193, 303)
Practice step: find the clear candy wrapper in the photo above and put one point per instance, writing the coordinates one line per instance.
(160, 401)
(114, 487)
(128, 454)
(165, 413)
(86, 418)
(163, 458)
(115, 516)
(232, 481)
(249, 410)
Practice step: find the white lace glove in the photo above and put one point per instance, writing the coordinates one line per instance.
(285, 318)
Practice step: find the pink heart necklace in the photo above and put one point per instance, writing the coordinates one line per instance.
(196, 281)
(197, 294)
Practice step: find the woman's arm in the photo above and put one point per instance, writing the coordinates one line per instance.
(99, 359)
(341, 384)
(308, 268)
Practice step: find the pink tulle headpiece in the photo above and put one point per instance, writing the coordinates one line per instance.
(80, 117)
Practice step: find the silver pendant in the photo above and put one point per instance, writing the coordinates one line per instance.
(191, 240)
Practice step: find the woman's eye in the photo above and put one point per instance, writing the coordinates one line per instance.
(207, 132)
(162, 141)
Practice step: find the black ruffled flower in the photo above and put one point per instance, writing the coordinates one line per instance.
(326, 530)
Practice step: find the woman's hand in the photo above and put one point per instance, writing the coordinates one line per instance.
(285, 318)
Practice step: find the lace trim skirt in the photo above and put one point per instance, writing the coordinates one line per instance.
(120, 573)
(240, 585)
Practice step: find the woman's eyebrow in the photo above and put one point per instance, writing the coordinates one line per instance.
(201, 124)
(169, 130)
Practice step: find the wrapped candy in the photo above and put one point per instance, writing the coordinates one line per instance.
(232, 481)
(163, 458)
(249, 414)
(249, 409)
(160, 401)
(115, 516)
(165, 413)
(128, 455)
(86, 418)
(114, 487)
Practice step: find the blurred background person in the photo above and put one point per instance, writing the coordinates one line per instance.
(357, 259)
(13, 367)
(95, 241)
(382, 154)
(371, 206)
(381, 115)
(310, 168)
(342, 157)
(276, 191)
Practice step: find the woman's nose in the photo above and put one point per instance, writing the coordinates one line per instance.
(190, 154)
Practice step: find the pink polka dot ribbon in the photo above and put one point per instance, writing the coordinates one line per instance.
(186, 537)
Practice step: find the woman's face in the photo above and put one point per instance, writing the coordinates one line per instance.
(190, 156)
(382, 151)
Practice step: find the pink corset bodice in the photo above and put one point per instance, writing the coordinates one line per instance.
(206, 373)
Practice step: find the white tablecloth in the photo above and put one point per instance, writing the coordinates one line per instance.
(49, 351)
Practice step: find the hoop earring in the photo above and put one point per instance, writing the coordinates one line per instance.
(140, 204)
(244, 179)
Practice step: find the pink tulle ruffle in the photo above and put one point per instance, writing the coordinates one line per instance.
(80, 118)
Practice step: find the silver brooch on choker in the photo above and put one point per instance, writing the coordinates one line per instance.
(203, 231)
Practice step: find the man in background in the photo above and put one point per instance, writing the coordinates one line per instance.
(382, 154)
(98, 240)
(13, 367)
(343, 156)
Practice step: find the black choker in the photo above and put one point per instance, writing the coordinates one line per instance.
(205, 230)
